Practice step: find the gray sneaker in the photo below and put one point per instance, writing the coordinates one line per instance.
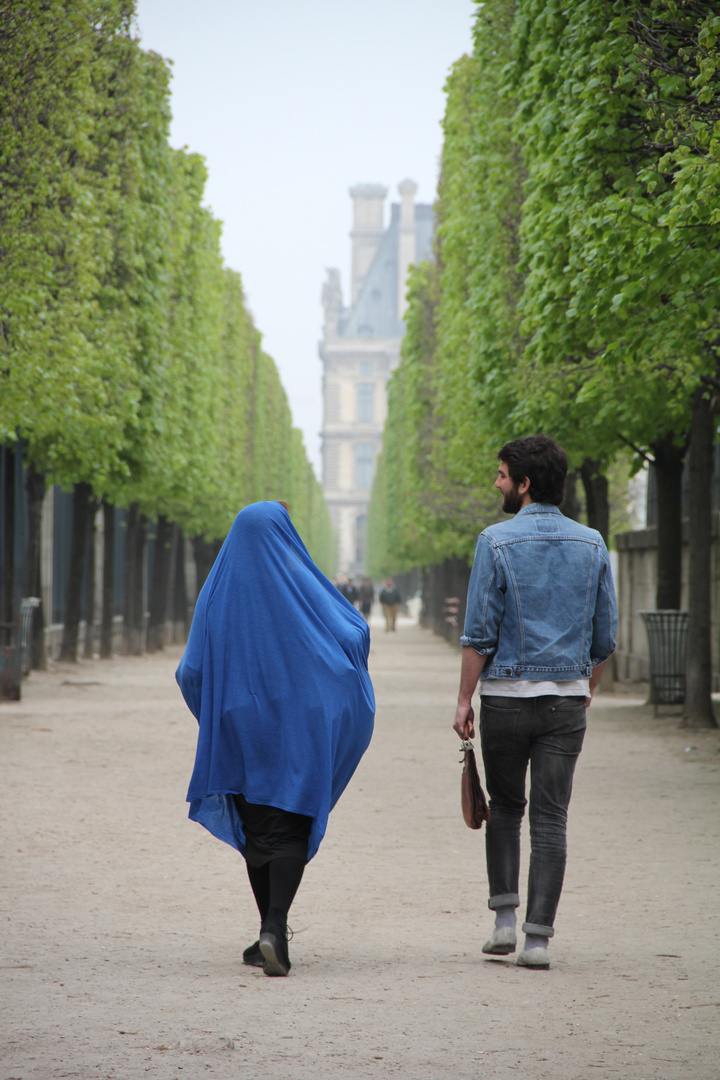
(534, 958)
(501, 942)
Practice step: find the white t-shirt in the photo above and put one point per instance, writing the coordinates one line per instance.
(525, 688)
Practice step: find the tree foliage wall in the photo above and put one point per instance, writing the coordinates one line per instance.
(129, 360)
(574, 284)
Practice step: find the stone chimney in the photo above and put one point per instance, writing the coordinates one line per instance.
(332, 303)
(406, 242)
(367, 231)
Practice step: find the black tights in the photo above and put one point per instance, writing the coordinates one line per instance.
(275, 883)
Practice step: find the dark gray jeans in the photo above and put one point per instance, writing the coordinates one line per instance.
(548, 733)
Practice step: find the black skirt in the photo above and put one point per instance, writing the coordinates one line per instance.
(272, 833)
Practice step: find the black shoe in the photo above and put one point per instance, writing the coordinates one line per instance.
(273, 943)
(253, 956)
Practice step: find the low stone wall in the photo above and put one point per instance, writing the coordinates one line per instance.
(636, 583)
(174, 634)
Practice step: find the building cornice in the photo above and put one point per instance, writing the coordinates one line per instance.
(347, 431)
(346, 498)
(360, 344)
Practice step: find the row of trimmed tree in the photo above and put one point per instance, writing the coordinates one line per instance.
(130, 368)
(575, 284)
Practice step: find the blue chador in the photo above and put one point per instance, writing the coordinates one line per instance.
(275, 672)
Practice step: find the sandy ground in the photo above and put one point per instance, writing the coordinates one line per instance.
(124, 922)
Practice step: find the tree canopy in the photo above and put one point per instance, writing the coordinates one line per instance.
(576, 272)
(575, 285)
(130, 361)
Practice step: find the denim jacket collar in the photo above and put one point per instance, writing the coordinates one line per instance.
(539, 508)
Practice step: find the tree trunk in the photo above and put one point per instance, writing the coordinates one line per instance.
(89, 650)
(668, 466)
(35, 487)
(425, 590)
(430, 601)
(134, 608)
(10, 670)
(570, 505)
(129, 618)
(698, 711)
(160, 585)
(205, 554)
(597, 501)
(448, 626)
(7, 544)
(180, 594)
(596, 497)
(82, 500)
(176, 551)
(108, 587)
(444, 595)
(140, 583)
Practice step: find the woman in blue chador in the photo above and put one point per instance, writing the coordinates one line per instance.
(275, 672)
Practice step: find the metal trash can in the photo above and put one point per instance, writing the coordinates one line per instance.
(667, 633)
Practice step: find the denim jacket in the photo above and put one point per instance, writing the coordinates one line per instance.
(541, 602)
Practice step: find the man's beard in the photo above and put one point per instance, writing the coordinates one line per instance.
(512, 501)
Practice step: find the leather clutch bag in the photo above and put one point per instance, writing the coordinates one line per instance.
(474, 804)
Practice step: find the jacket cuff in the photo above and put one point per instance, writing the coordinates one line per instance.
(477, 645)
(596, 660)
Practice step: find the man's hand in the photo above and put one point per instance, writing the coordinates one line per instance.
(472, 665)
(465, 721)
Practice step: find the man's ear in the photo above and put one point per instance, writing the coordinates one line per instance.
(524, 486)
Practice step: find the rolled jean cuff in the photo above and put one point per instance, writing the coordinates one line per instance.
(509, 899)
(537, 930)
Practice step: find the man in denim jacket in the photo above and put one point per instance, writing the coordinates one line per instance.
(540, 624)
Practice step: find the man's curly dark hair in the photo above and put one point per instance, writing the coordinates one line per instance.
(544, 463)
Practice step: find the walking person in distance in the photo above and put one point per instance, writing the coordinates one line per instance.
(389, 598)
(367, 598)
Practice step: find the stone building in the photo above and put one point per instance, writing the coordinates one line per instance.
(360, 348)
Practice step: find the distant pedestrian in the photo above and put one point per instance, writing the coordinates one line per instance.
(351, 592)
(340, 584)
(539, 628)
(366, 594)
(389, 597)
(275, 671)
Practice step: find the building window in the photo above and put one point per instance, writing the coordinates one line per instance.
(365, 402)
(363, 465)
(365, 367)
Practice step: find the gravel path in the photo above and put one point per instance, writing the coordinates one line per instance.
(124, 922)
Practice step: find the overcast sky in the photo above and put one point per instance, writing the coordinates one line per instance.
(291, 102)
